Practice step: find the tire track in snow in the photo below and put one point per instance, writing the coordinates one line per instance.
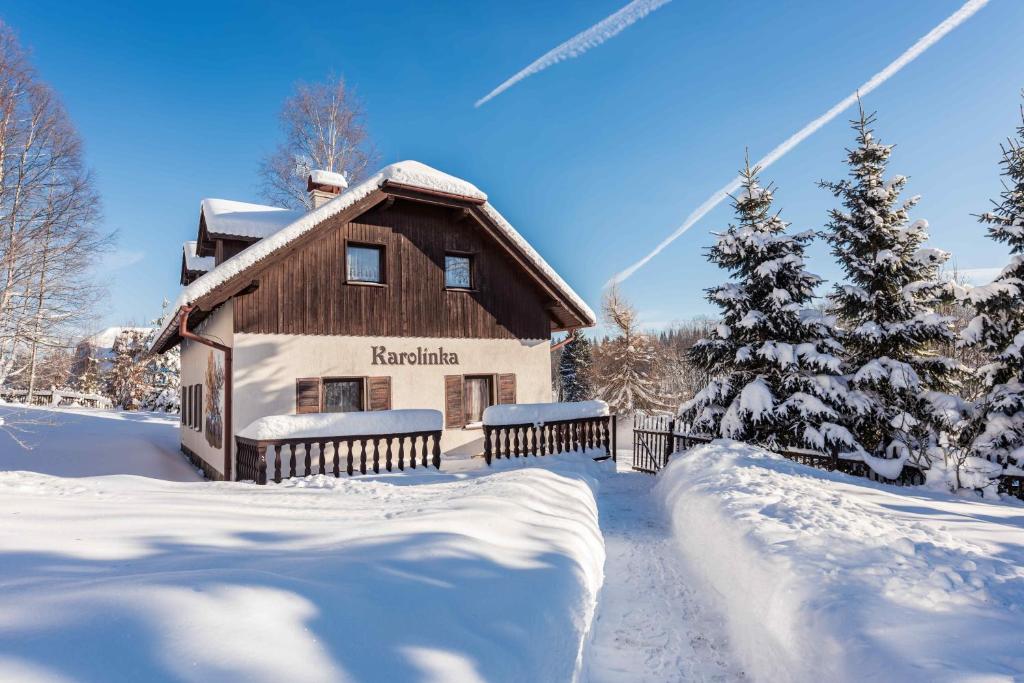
(651, 625)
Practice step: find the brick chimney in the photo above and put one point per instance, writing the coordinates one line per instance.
(323, 186)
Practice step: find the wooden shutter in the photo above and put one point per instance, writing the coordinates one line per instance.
(199, 407)
(307, 395)
(454, 410)
(507, 388)
(378, 389)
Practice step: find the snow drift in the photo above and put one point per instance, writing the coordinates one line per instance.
(423, 577)
(822, 576)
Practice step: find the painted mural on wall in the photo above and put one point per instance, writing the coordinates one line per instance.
(212, 395)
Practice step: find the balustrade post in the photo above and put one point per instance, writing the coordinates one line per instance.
(487, 444)
(261, 464)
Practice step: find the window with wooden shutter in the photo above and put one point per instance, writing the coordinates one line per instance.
(307, 395)
(378, 390)
(454, 415)
(506, 388)
(199, 407)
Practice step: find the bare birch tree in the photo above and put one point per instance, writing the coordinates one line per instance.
(48, 214)
(324, 129)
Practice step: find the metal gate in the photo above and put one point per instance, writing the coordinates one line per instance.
(653, 441)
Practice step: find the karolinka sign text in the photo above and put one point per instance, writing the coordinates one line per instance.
(421, 356)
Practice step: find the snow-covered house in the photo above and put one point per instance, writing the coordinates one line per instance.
(100, 347)
(407, 290)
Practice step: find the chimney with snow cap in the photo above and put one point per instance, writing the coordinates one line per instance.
(323, 186)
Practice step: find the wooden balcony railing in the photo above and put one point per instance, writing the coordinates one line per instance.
(335, 454)
(549, 438)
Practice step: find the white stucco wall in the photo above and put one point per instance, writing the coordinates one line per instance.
(267, 365)
(220, 327)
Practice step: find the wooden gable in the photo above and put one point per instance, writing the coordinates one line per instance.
(307, 293)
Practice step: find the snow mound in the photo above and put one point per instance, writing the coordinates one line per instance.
(423, 577)
(313, 425)
(332, 178)
(541, 413)
(825, 577)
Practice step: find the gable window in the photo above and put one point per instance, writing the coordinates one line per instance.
(458, 271)
(364, 263)
(343, 395)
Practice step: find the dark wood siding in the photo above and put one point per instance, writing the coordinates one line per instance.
(306, 293)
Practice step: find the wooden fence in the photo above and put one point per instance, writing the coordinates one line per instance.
(651, 453)
(336, 454)
(548, 438)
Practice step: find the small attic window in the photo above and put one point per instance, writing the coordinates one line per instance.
(458, 271)
(364, 263)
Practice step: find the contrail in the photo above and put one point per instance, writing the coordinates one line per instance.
(916, 50)
(608, 27)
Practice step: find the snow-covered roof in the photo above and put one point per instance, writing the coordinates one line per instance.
(331, 178)
(406, 173)
(242, 219)
(104, 339)
(193, 262)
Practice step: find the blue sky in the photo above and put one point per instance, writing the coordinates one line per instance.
(594, 160)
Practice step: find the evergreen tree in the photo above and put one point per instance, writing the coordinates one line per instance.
(162, 373)
(997, 430)
(574, 369)
(886, 306)
(629, 360)
(126, 382)
(772, 360)
(91, 380)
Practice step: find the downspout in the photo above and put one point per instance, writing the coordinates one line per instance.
(568, 337)
(184, 333)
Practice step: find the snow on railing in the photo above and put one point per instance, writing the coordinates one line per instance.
(537, 429)
(334, 442)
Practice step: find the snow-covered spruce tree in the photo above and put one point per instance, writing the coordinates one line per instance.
(628, 361)
(997, 430)
(886, 308)
(126, 381)
(162, 373)
(574, 368)
(775, 377)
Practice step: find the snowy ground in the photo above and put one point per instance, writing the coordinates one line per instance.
(425, 577)
(822, 576)
(652, 626)
(731, 565)
(87, 442)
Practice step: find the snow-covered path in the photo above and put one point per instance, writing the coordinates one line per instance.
(650, 626)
